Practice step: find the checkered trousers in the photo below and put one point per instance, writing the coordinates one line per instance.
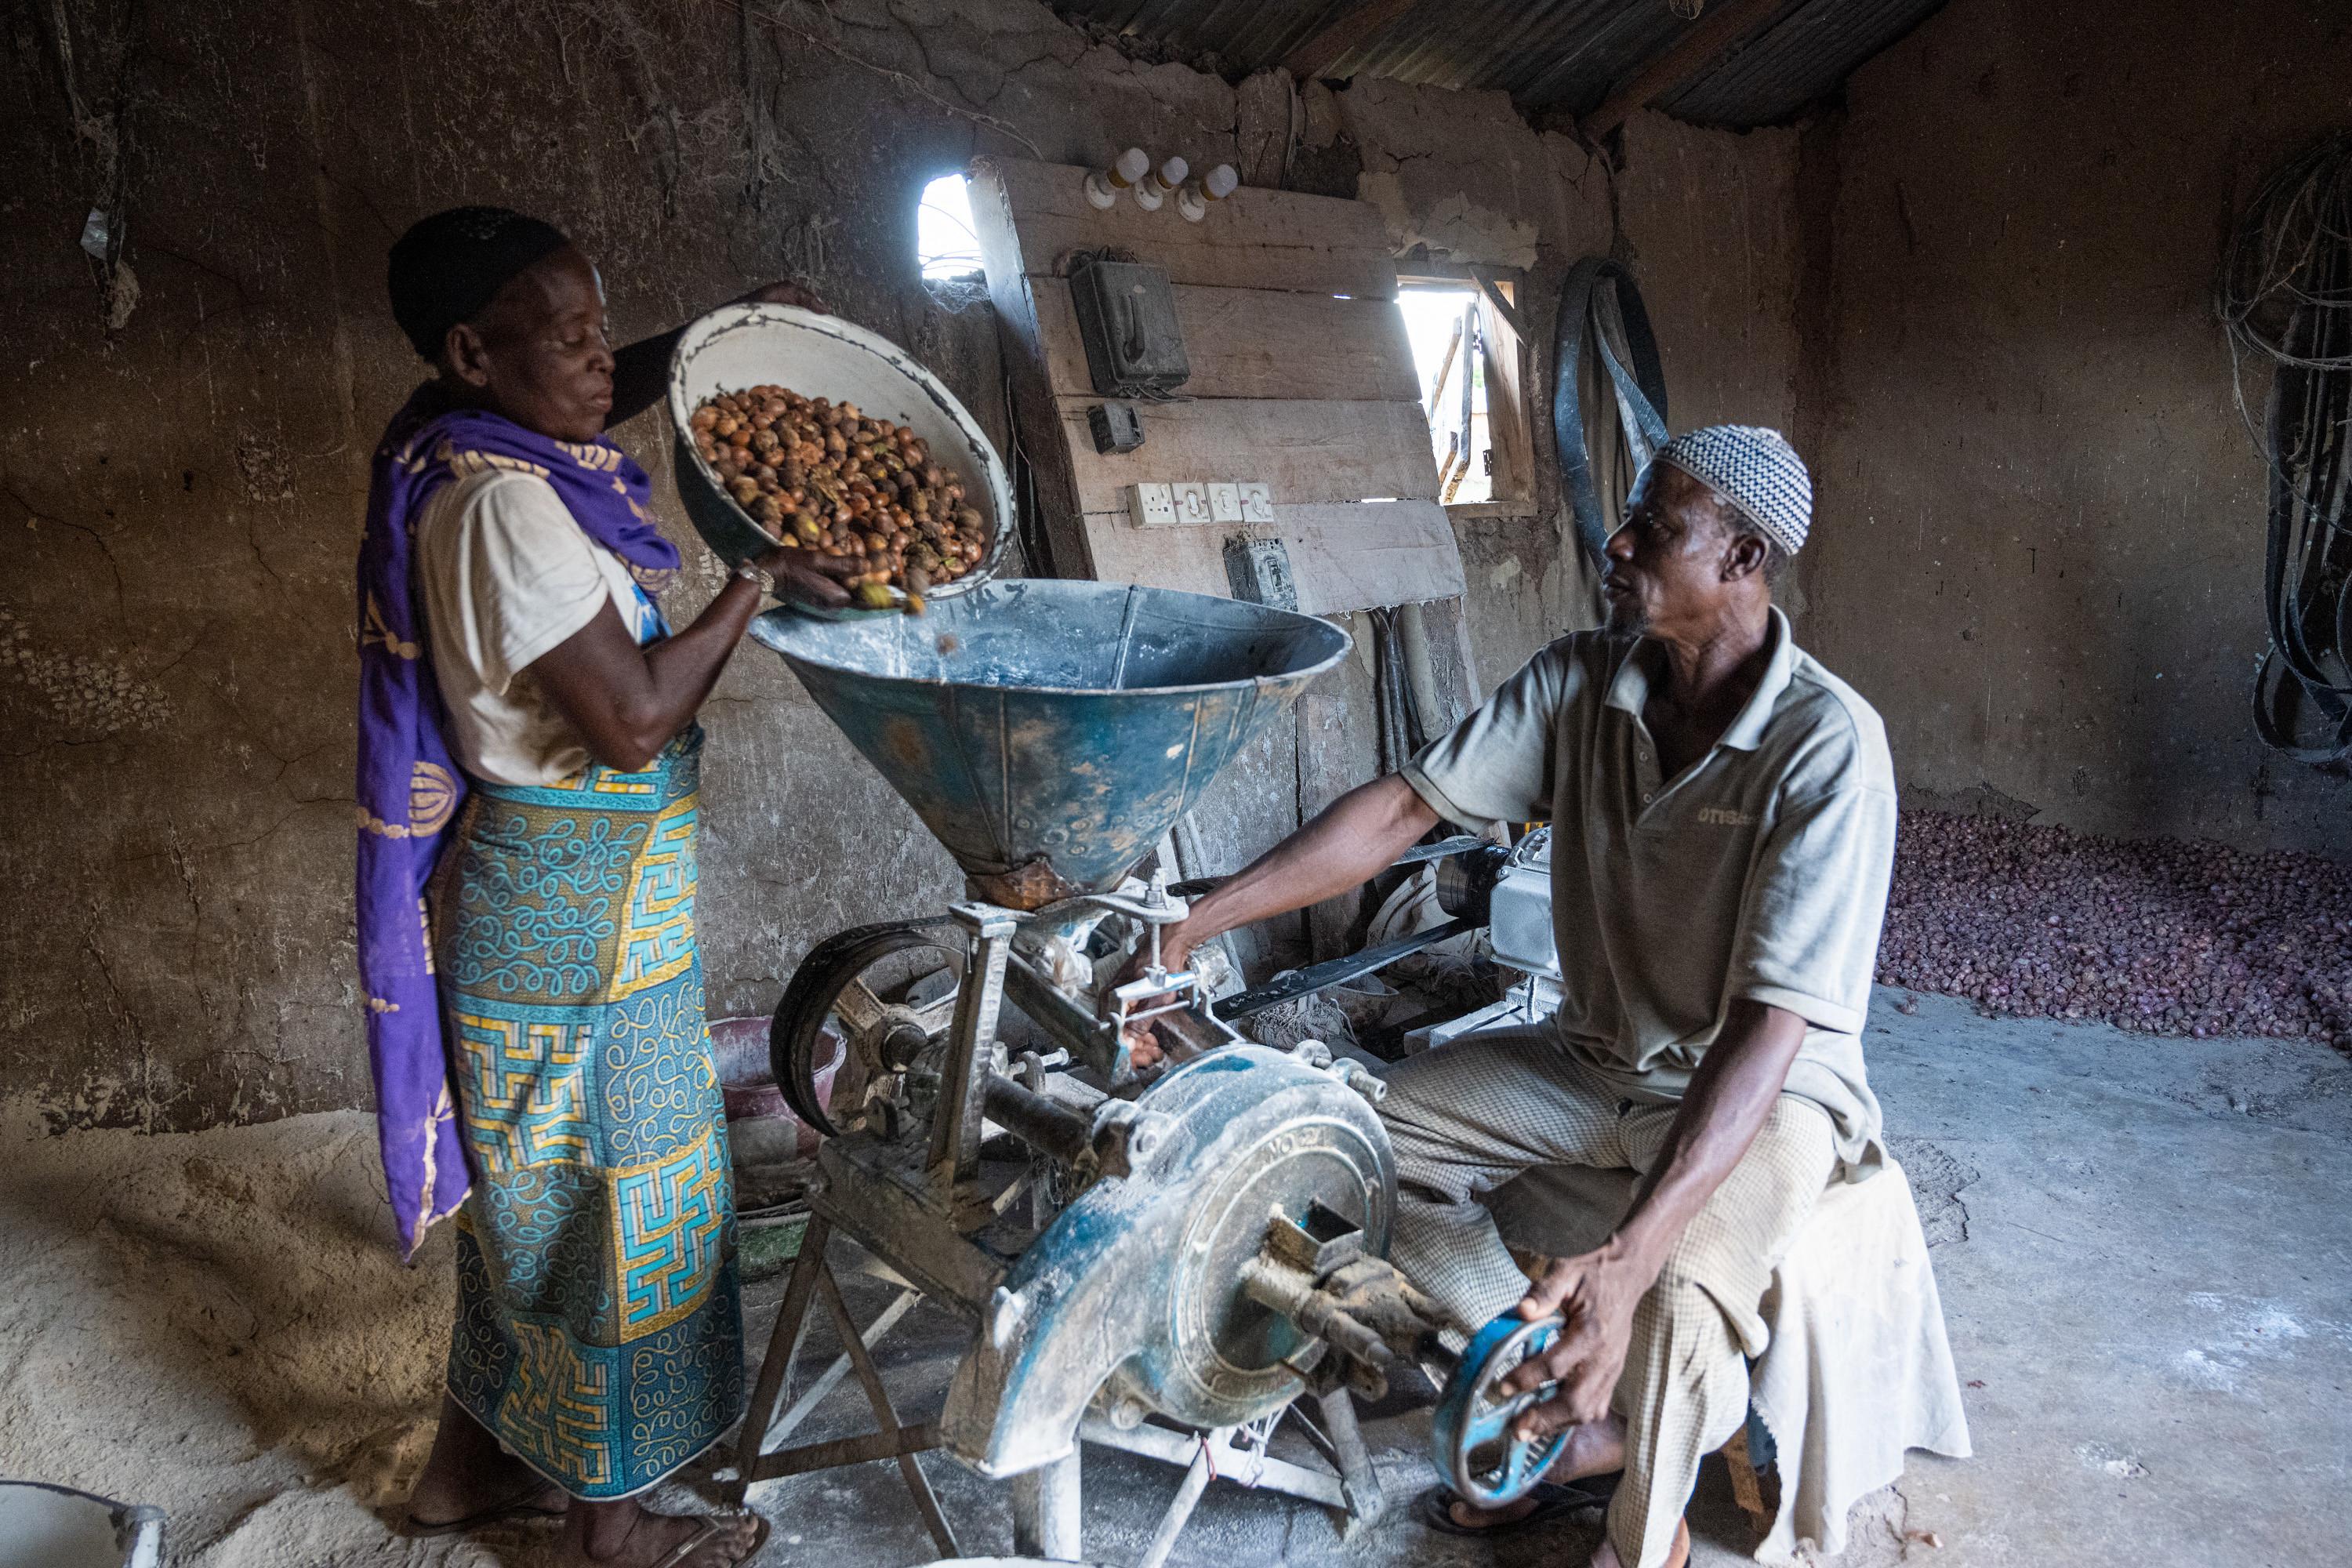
(1468, 1116)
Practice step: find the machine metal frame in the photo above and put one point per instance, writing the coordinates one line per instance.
(917, 1208)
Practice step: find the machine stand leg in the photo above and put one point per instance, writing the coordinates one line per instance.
(861, 1361)
(1180, 1510)
(1358, 1479)
(783, 1345)
(812, 1281)
(1045, 1511)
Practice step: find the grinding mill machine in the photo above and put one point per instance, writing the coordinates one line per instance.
(1165, 1265)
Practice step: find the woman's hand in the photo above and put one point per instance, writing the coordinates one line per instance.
(809, 576)
(787, 293)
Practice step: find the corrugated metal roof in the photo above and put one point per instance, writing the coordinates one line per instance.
(1547, 54)
(1801, 55)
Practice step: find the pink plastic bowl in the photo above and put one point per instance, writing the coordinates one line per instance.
(745, 1079)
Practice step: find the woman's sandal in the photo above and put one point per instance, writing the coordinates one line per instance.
(708, 1531)
(1554, 1499)
(524, 1507)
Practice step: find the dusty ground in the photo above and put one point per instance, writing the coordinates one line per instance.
(2143, 1248)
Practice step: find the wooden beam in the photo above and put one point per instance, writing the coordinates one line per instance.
(1727, 24)
(1257, 342)
(1485, 278)
(1305, 450)
(1331, 43)
(1349, 555)
(1254, 238)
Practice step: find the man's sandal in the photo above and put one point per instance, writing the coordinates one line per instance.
(1554, 1499)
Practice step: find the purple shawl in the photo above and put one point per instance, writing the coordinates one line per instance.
(409, 787)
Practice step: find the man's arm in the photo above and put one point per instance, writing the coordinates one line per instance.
(1355, 838)
(1730, 1097)
(1496, 763)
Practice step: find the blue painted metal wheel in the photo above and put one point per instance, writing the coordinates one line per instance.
(1471, 1438)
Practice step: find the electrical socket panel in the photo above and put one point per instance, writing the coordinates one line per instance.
(1152, 506)
(1198, 501)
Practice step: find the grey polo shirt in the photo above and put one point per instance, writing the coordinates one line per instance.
(1760, 871)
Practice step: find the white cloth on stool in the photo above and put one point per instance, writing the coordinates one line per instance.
(1859, 1371)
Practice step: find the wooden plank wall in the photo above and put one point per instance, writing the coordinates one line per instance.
(1302, 380)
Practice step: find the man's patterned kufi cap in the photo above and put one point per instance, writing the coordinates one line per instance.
(1756, 470)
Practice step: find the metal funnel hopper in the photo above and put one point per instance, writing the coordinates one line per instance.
(1049, 733)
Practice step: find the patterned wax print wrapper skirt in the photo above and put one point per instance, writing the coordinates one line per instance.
(598, 1330)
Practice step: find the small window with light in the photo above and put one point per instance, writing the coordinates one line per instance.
(1473, 391)
(947, 246)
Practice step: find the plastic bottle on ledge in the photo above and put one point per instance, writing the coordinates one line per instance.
(1192, 198)
(1103, 186)
(1150, 193)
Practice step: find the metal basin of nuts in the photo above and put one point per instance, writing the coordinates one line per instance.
(829, 478)
(788, 420)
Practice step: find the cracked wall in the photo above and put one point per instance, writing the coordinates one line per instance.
(194, 390)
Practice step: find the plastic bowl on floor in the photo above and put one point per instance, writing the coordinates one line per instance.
(749, 1085)
(42, 1526)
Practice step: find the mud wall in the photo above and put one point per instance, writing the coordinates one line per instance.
(2039, 543)
(185, 430)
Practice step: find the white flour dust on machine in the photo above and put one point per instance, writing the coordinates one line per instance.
(1167, 1268)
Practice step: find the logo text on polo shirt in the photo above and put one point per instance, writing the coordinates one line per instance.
(1717, 816)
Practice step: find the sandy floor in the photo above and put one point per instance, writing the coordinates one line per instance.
(217, 1323)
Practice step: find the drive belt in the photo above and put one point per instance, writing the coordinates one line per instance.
(1601, 314)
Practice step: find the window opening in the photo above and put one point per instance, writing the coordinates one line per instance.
(1446, 325)
(947, 246)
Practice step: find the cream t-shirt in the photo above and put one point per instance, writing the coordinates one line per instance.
(1758, 872)
(505, 574)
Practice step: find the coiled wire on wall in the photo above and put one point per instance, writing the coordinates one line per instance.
(1609, 395)
(2284, 295)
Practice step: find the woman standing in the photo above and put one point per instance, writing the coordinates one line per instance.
(526, 808)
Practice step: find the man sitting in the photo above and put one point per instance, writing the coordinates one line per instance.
(1723, 813)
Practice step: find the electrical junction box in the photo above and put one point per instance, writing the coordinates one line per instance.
(1116, 427)
(1126, 316)
(1259, 570)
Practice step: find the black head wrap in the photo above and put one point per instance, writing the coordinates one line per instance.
(448, 267)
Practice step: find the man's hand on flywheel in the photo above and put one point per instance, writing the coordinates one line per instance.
(1596, 1293)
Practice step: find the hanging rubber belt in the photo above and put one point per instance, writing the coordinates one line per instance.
(1604, 434)
(2307, 559)
(2285, 295)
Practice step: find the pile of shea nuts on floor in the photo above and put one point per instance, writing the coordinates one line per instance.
(2155, 935)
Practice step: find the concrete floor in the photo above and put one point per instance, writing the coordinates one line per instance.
(2146, 1258)
(2143, 1249)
